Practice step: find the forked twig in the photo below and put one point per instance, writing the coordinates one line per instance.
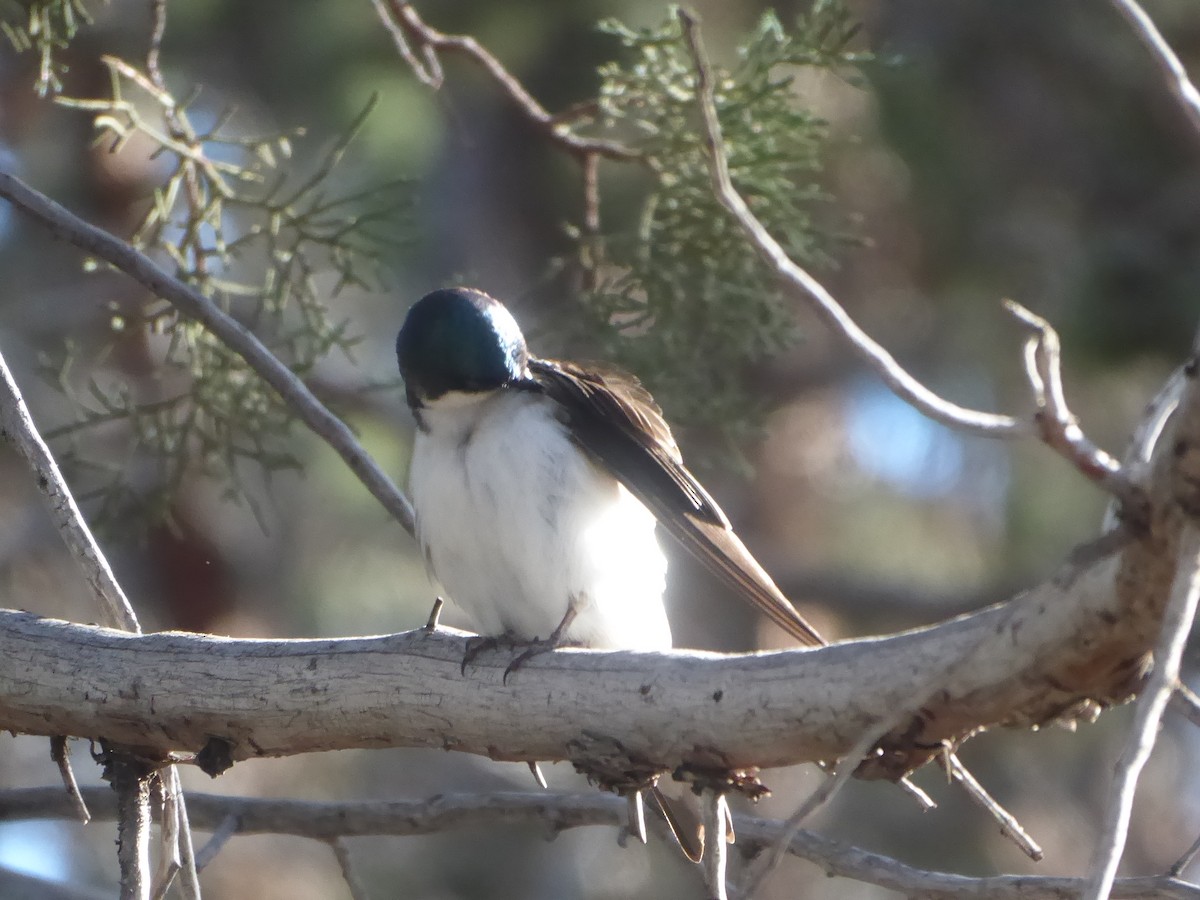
(408, 29)
(1057, 426)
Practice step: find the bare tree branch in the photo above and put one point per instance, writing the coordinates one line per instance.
(66, 226)
(757, 873)
(1057, 425)
(178, 856)
(812, 291)
(342, 853)
(1185, 860)
(61, 754)
(1150, 706)
(405, 25)
(1186, 703)
(1174, 74)
(19, 430)
(445, 812)
(715, 812)
(1065, 643)
(1010, 827)
(227, 828)
(1184, 468)
(131, 784)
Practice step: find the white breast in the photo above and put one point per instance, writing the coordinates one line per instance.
(515, 520)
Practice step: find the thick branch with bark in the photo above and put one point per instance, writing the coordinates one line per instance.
(1039, 657)
(1061, 648)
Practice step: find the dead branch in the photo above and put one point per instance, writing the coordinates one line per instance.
(1184, 469)
(1174, 74)
(1055, 649)
(408, 29)
(560, 811)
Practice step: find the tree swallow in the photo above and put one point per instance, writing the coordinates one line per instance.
(537, 484)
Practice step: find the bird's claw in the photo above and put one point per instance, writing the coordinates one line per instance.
(535, 648)
(475, 646)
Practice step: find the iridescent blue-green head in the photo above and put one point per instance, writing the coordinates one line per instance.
(459, 339)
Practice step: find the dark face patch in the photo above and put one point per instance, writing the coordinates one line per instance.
(458, 339)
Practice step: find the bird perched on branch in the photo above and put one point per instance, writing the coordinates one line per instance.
(537, 484)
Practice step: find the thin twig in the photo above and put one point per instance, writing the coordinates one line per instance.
(1165, 58)
(857, 756)
(428, 71)
(17, 427)
(913, 790)
(1010, 827)
(342, 853)
(158, 28)
(326, 821)
(180, 130)
(66, 226)
(790, 827)
(61, 754)
(228, 827)
(1057, 425)
(1176, 626)
(405, 25)
(805, 286)
(1185, 702)
(178, 857)
(1184, 861)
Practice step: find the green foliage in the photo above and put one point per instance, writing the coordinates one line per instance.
(681, 298)
(46, 26)
(272, 249)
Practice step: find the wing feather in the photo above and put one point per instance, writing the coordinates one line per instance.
(616, 420)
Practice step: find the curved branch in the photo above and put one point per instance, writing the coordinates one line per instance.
(18, 429)
(1165, 59)
(797, 279)
(67, 226)
(404, 24)
(1180, 613)
(560, 811)
(1044, 653)
(1075, 641)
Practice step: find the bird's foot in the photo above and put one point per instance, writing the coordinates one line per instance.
(481, 644)
(537, 646)
(533, 648)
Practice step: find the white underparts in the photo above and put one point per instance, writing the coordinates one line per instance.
(515, 520)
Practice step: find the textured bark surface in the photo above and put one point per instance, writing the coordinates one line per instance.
(1020, 663)
(1075, 642)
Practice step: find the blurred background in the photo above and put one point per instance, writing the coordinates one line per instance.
(1025, 150)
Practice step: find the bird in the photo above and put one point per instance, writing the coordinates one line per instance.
(539, 484)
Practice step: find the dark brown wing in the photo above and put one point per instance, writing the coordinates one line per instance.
(615, 419)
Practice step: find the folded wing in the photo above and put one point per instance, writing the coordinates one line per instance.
(616, 420)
